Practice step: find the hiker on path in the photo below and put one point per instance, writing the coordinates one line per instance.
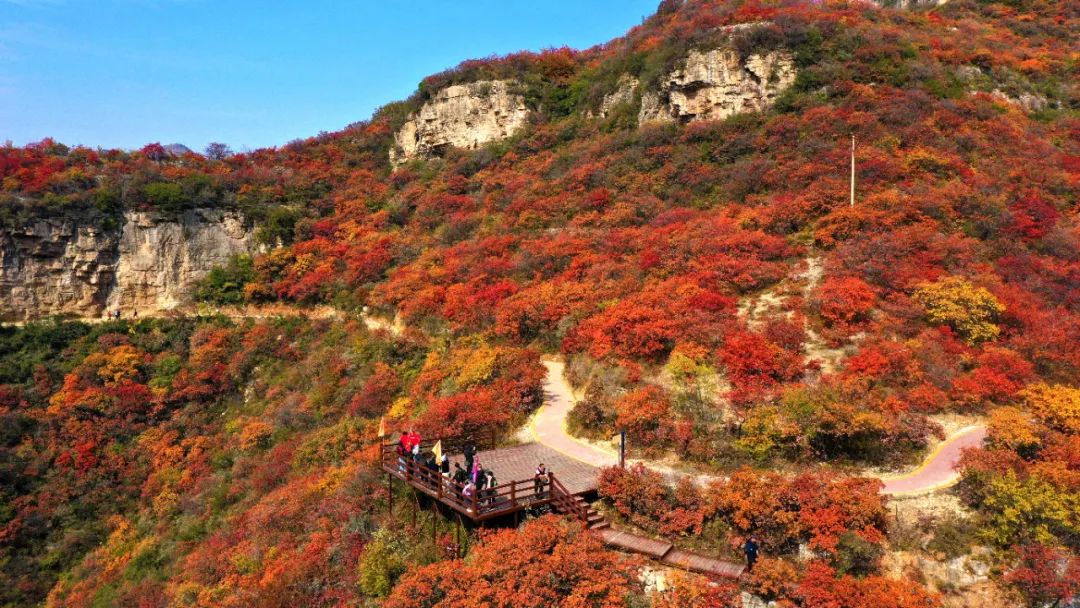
(750, 548)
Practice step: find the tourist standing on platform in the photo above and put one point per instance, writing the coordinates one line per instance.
(402, 451)
(444, 465)
(492, 483)
(467, 494)
(481, 482)
(539, 479)
(470, 453)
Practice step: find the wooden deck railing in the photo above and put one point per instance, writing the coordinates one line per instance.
(565, 502)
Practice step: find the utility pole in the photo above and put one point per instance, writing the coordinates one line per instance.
(853, 170)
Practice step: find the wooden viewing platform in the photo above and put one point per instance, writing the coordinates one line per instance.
(570, 481)
(567, 478)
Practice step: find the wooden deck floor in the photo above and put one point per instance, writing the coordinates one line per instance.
(519, 462)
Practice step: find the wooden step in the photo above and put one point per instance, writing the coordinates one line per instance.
(600, 525)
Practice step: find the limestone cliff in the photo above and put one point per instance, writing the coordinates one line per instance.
(718, 83)
(71, 266)
(462, 116)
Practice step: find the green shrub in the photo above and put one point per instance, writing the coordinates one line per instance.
(855, 555)
(953, 537)
(225, 285)
(383, 562)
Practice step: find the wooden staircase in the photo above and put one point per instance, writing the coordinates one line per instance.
(660, 550)
(593, 519)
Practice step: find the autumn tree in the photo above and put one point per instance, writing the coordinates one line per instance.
(1045, 576)
(547, 562)
(969, 310)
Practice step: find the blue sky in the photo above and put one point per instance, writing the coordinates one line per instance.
(122, 73)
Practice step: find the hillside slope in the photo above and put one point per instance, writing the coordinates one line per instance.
(619, 205)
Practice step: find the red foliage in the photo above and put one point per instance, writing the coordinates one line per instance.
(546, 562)
(1046, 576)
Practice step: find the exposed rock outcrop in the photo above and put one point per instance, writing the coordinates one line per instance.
(56, 266)
(159, 262)
(716, 84)
(462, 116)
(72, 266)
(623, 93)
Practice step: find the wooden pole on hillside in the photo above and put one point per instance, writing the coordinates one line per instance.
(852, 170)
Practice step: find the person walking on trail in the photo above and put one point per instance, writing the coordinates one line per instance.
(750, 548)
(539, 479)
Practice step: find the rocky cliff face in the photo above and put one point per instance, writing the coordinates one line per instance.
(718, 83)
(70, 266)
(462, 116)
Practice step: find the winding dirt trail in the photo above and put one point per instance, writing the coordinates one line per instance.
(548, 426)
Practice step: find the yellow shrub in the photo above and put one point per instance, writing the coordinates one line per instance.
(968, 309)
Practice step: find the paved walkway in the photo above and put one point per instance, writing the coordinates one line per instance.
(938, 470)
(549, 428)
(549, 424)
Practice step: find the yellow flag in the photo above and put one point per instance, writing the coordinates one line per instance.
(382, 427)
(437, 450)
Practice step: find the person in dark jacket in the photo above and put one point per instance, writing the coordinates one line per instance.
(460, 476)
(750, 548)
(470, 453)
